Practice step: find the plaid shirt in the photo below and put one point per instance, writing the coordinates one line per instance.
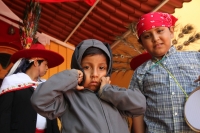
(165, 99)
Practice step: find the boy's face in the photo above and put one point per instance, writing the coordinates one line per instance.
(43, 67)
(94, 67)
(157, 41)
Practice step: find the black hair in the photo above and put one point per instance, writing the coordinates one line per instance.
(25, 65)
(95, 51)
(139, 40)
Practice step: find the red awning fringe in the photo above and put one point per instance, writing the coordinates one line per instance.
(89, 2)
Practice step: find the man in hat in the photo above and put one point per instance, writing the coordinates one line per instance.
(16, 112)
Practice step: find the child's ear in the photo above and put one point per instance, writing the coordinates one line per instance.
(171, 29)
(35, 62)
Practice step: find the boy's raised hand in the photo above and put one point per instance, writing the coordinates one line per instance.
(104, 81)
(80, 79)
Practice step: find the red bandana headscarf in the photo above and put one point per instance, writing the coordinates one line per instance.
(154, 19)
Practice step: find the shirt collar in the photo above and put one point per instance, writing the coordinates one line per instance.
(145, 67)
(170, 52)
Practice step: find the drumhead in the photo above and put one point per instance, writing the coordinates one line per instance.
(192, 110)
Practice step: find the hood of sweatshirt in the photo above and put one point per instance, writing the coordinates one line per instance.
(83, 46)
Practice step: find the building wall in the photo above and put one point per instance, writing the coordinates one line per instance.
(65, 52)
(121, 78)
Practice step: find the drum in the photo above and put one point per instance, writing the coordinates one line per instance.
(192, 110)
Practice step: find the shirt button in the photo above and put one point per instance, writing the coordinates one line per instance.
(173, 93)
(175, 114)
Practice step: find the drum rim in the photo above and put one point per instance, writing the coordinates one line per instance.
(193, 128)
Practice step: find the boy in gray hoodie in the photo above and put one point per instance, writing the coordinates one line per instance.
(83, 97)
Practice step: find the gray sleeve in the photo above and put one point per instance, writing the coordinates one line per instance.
(48, 98)
(130, 102)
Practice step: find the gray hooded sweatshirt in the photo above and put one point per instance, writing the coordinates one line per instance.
(86, 111)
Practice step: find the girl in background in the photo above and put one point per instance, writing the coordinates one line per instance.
(16, 112)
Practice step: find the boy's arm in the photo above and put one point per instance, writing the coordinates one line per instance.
(130, 102)
(48, 98)
(138, 124)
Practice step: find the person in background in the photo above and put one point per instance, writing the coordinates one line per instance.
(16, 112)
(83, 97)
(166, 79)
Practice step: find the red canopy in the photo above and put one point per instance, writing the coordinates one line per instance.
(89, 2)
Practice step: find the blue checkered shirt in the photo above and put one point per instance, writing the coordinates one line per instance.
(165, 99)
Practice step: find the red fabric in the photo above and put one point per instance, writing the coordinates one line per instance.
(39, 131)
(139, 60)
(89, 2)
(16, 89)
(154, 19)
(9, 40)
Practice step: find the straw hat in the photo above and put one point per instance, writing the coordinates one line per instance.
(38, 50)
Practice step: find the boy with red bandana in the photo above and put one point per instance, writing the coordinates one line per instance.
(166, 79)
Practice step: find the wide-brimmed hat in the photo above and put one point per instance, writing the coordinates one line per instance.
(139, 60)
(38, 50)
